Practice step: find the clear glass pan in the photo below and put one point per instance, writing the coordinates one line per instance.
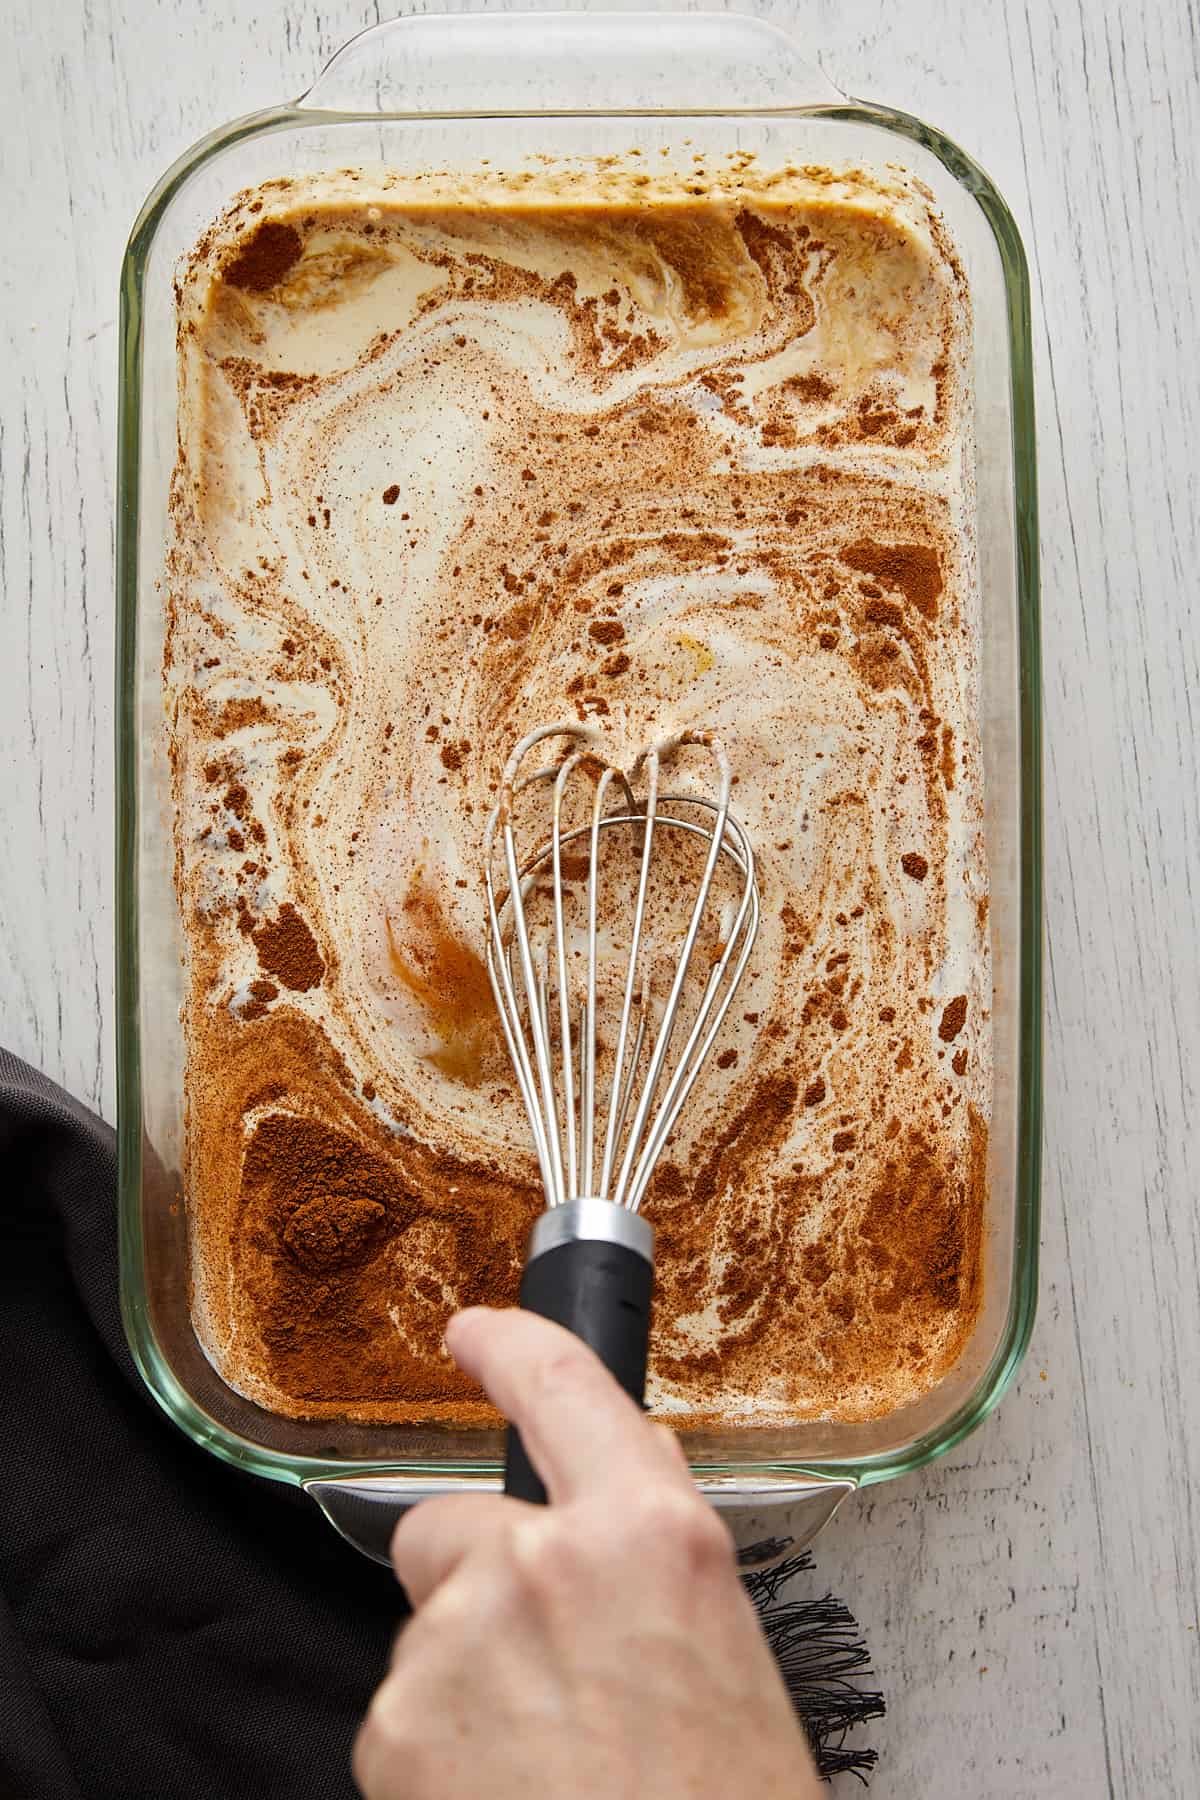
(446, 92)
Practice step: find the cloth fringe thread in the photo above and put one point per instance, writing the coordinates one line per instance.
(821, 1657)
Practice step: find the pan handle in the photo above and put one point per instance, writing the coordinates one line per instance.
(496, 64)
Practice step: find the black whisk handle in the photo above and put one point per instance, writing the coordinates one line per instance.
(590, 1268)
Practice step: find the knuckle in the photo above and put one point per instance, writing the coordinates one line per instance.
(549, 1558)
(678, 1524)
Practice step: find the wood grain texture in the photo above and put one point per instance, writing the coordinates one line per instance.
(1032, 1600)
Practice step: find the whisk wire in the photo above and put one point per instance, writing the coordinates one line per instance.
(549, 1156)
(559, 1094)
(631, 975)
(564, 999)
(589, 1101)
(663, 1041)
(700, 1040)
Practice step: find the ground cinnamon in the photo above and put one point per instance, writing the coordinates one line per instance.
(913, 568)
(954, 1017)
(325, 1217)
(288, 950)
(606, 631)
(264, 257)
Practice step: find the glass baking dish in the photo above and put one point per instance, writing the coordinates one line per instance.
(447, 92)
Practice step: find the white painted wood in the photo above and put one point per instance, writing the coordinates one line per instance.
(1032, 1601)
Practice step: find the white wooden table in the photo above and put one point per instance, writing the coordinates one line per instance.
(1031, 1601)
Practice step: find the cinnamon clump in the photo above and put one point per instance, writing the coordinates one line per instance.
(913, 568)
(331, 1231)
(606, 631)
(953, 1019)
(235, 714)
(261, 995)
(288, 950)
(453, 756)
(813, 388)
(263, 258)
(914, 864)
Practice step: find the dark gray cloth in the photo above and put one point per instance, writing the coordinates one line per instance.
(168, 1626)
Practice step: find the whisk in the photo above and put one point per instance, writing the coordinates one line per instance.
(607, 1042)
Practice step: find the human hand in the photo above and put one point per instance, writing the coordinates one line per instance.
(600, 1647)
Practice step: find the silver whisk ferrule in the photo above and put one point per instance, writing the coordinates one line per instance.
(603, 1084)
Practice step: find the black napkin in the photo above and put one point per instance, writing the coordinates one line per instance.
(171, 1629)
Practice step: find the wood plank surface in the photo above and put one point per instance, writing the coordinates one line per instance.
(1032, 1600)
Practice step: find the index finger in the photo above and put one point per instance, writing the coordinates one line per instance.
(579, 1427)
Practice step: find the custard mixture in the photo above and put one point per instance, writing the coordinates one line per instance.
(647, 449)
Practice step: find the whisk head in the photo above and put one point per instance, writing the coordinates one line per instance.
(622, 919)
